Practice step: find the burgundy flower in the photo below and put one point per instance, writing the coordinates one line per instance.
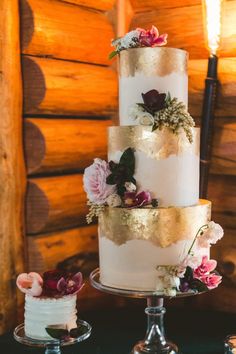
(153, 101)
(70, 285)
(59, 283)
(151, 38)
(50, 281)
(132, 200)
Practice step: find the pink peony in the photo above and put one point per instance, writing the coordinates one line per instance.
(211, 280)
(207, 266)
(133, 200)
(151, 38)
(210, 235)
(95, 182)
(30, 284)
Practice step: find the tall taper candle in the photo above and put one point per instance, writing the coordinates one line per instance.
(207, 123)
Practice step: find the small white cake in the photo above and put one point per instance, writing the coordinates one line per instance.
(43, 312)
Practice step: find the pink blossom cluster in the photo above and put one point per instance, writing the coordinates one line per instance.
(204, 272)
(151, 38)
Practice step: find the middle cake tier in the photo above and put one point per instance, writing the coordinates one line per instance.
(166, 164)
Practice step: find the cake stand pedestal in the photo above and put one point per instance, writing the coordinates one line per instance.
(51, 346)
(154, 341)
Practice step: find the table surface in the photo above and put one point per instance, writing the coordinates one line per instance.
(116, 331)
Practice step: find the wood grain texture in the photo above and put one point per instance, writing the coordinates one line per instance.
(103, 5)
(53, 145)
(47, 250)
(12, 176)
(222, 193)
(152, 5)
(60, 30)
(190, 20)
(57, 87)
(226, 90)
(224, 149)
(55, 203)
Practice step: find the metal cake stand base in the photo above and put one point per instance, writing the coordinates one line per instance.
(51, 346)
(154, 341)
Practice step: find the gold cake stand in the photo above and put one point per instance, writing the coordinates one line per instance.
(154, 341)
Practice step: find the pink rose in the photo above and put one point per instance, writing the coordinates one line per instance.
(151, 38)
(211, 280)
(207, 266)
(95, 182)
(30, 284)
(210, 235)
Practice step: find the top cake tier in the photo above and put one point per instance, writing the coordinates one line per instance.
(144, 69)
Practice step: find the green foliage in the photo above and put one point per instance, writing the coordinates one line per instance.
(123, 171)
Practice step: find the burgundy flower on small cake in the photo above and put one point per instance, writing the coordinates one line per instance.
(95, 185)
(151, 38)
(56, 282)
(70, 285)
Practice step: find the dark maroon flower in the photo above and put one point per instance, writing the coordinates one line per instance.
(70, 285)
(50, 280)
(132, 200)
(153, 101)
(59, 283)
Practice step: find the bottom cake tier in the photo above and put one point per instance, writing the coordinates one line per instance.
(134, 242)
(43, 312)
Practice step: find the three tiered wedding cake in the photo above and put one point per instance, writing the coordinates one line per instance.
(154, 232)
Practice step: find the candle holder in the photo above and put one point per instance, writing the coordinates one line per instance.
(154, 341)
(51, 346)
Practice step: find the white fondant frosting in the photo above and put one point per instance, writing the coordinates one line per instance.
(133, 265)
(131, 88)
(43, 312)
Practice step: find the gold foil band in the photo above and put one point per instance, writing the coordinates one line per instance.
(158, 145)
(162, 226)
(149, 61)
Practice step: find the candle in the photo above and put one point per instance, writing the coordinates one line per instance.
(213, 15)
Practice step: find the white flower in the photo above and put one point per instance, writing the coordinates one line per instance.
(145, 118)
(134, 111)
(114, 200)
(130, 40)
(130, 187)
(170, 292)
(172, 281)
(211, 235)
(167, 282)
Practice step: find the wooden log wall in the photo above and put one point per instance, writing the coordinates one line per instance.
(183, 22)
(70, 97)
(12, 175)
